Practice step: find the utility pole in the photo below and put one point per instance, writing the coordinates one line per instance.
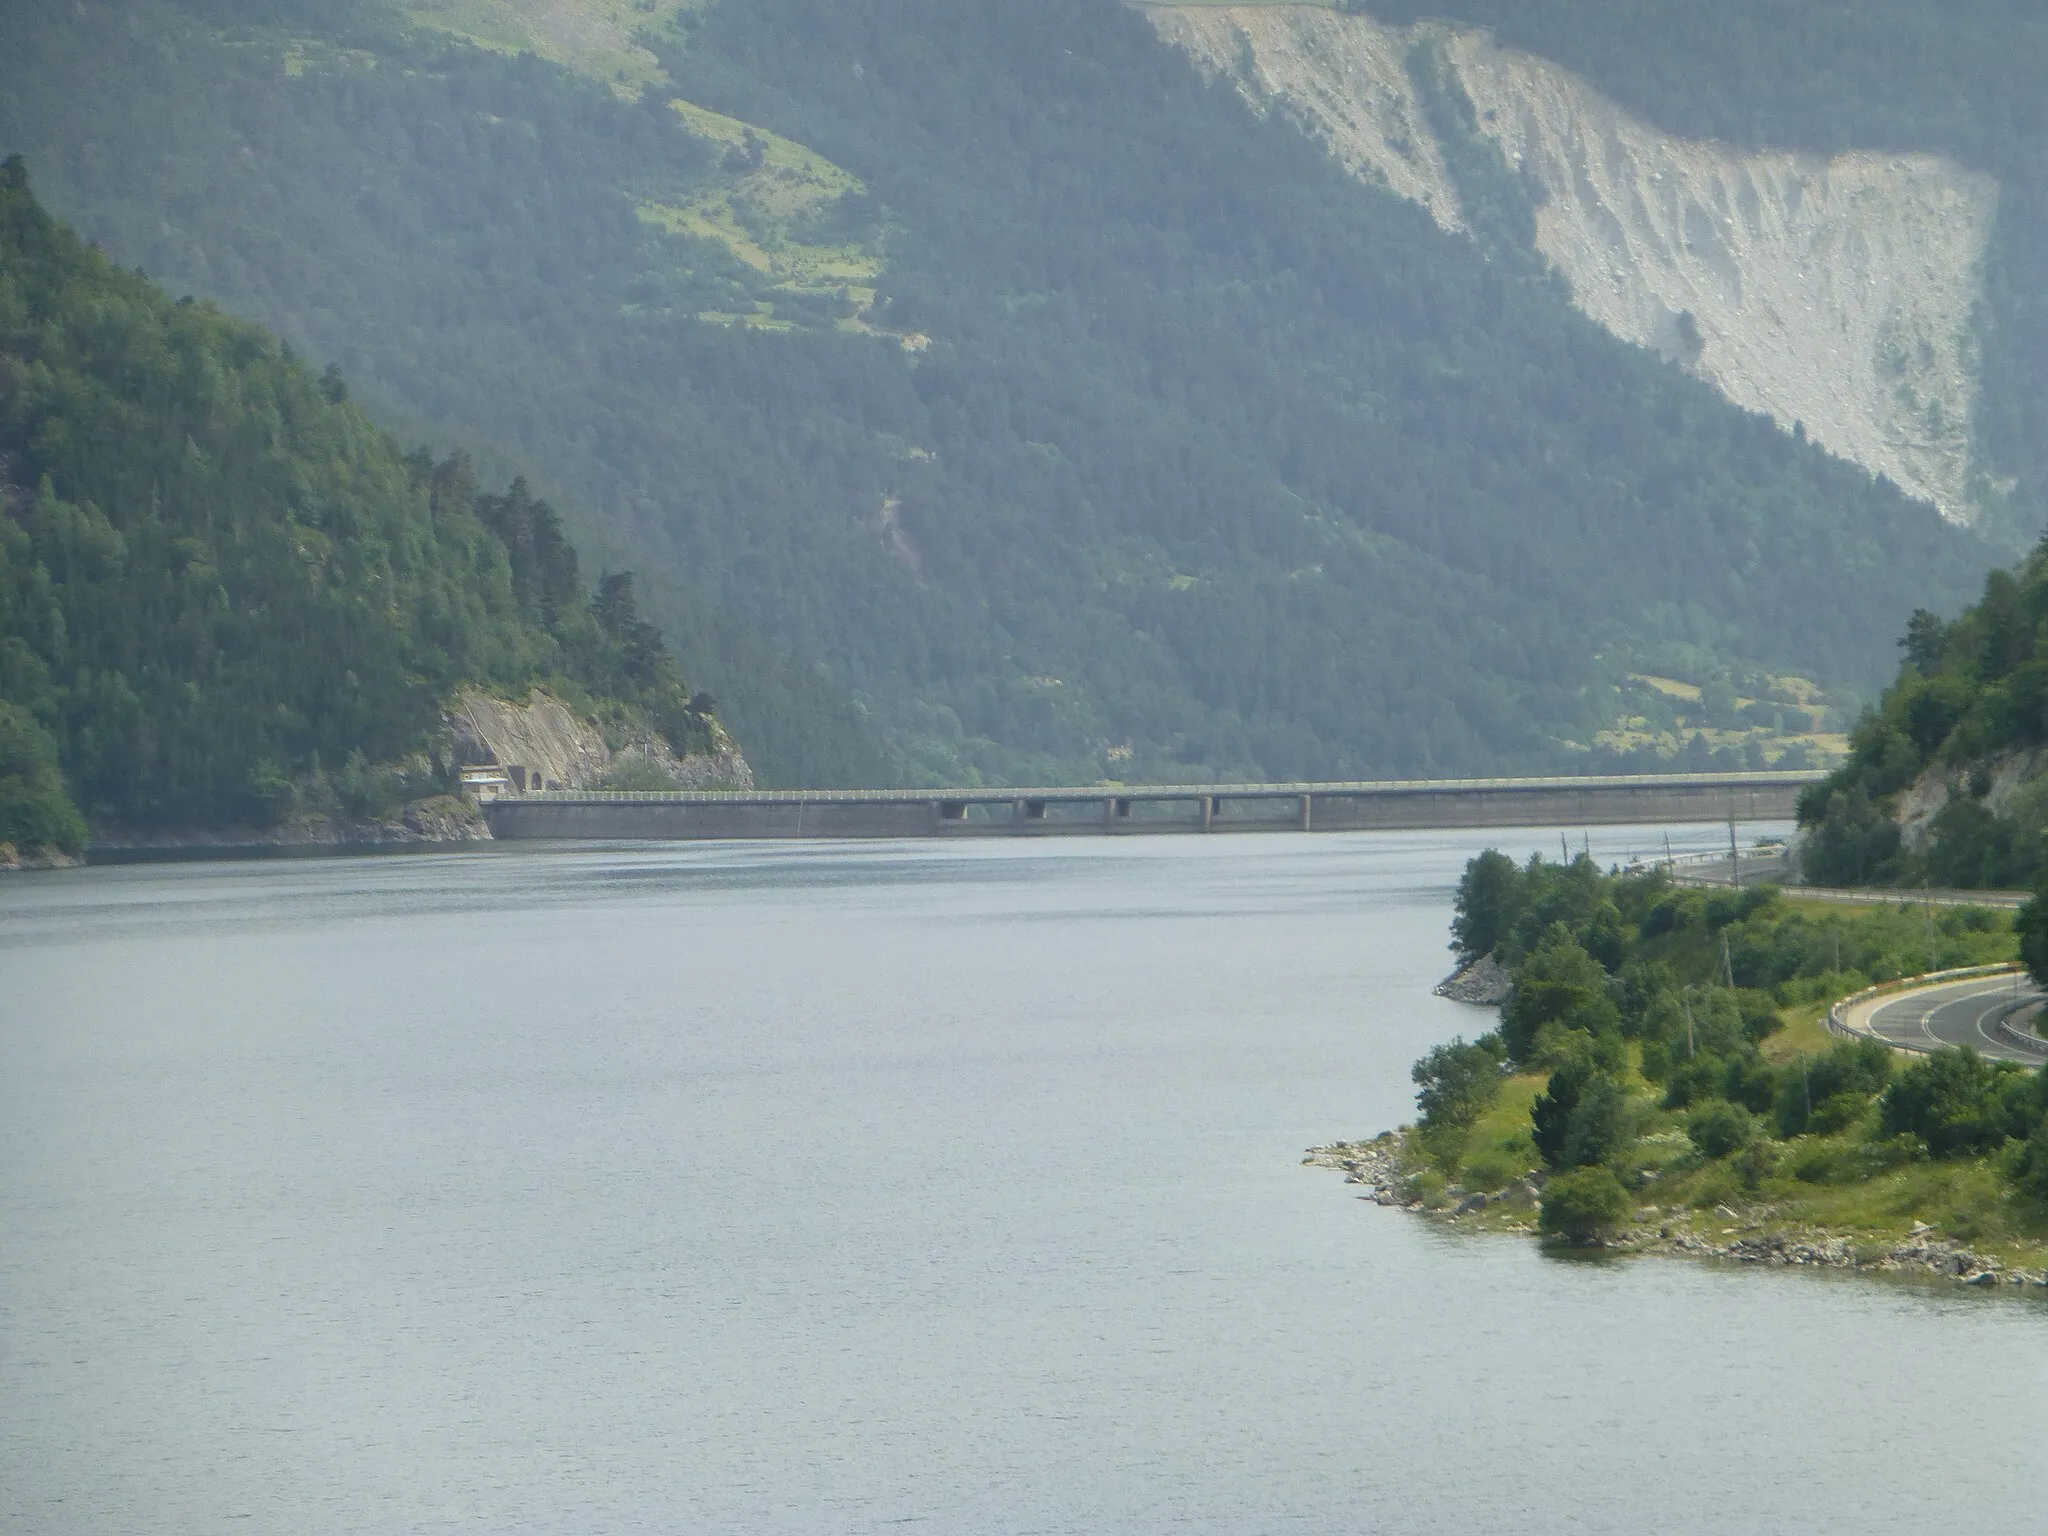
(1933, 958)
(1734, 857)
(1727, 965)
(1670, 863)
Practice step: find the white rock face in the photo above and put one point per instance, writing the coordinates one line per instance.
(1345, 77)
(1834, 292)
(564, 751)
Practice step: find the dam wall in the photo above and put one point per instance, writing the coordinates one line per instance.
(1140, 810)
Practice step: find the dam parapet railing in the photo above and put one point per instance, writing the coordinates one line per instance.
(1128, 809)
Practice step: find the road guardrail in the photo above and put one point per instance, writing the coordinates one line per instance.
(1838, 1014)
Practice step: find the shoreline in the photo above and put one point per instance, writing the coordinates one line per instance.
(436, 824)
(230, 852)
(1741, 1236)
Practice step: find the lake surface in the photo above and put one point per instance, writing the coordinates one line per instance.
(818, 1188)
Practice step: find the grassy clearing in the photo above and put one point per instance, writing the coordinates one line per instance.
(593, 37)
(772, 196)
(1500, 1151)
(1633, 733)
(778, 152)
(1670, 687)
(1663, 714)
(318, 56)
(777, 193)
(1805, 1033)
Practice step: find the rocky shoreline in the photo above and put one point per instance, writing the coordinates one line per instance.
(14, 860)
(551, 745)
(1384, 1170)
(441, 820)
(1484, 983)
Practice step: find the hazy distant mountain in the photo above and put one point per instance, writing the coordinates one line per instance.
(1056, 407)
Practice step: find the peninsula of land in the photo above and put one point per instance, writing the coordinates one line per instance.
(1663, 1079)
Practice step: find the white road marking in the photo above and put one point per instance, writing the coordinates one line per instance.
(1912, 1016)
(1927, 1024)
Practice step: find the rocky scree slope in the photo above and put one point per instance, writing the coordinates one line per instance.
(1834, 293)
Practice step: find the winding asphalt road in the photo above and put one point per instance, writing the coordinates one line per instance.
(1992, 1013)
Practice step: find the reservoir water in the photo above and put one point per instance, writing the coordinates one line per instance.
(823, 1188)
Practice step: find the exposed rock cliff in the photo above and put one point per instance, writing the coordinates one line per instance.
(1345, 77)
(13, 859)
(1834, 293)
(2009, 783)
(560, 751)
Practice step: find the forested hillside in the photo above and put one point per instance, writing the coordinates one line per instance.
(225, 597)
(1155, 447)
(1945, 782)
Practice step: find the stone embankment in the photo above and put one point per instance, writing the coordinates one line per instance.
(441, 819)
(1922, 1254)
(1387, 1174)
(13, 859)
(1484, 983)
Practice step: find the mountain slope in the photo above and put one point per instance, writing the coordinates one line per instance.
(226, 597)
(1406, 390)
(1959, 80)
(1162, 449)
(1836, 293)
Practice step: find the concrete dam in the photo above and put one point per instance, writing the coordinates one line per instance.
(1119, 811)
